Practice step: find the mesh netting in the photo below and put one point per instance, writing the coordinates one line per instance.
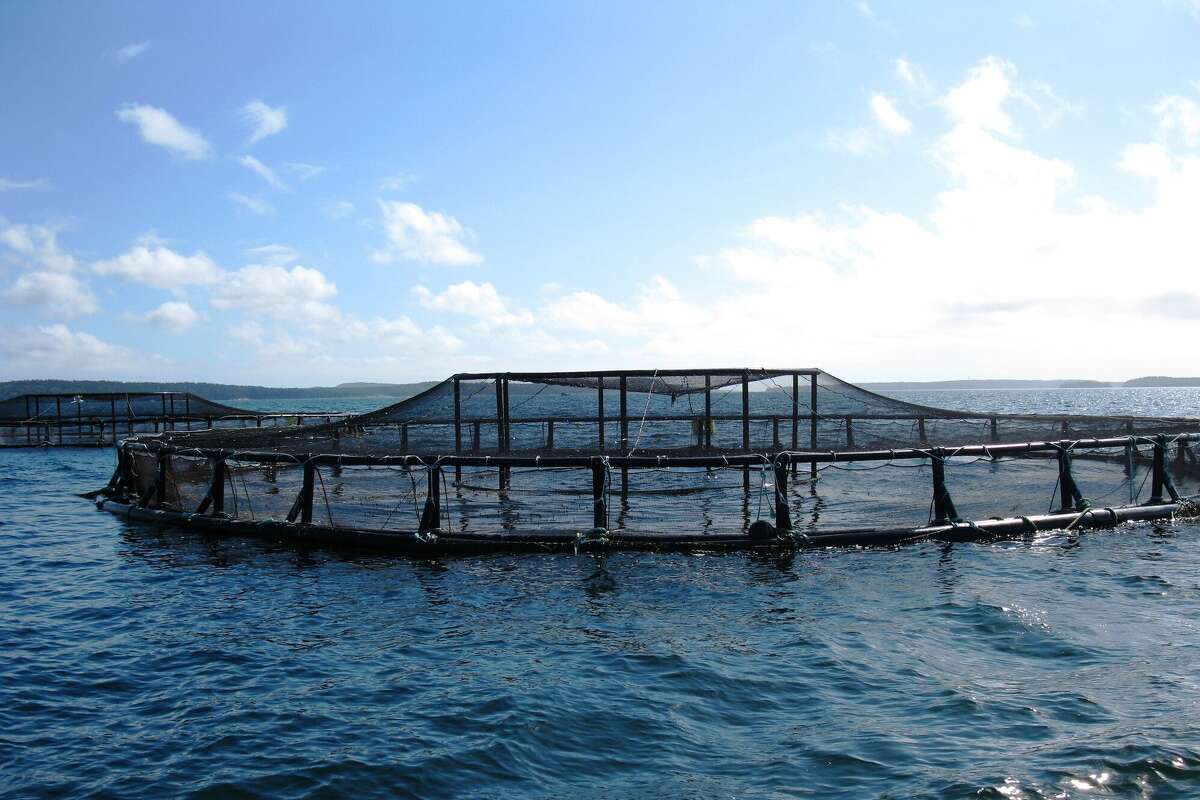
(729, 411)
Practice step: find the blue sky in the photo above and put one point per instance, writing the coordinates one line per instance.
(301, 194)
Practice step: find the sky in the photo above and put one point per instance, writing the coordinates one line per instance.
(306, 194)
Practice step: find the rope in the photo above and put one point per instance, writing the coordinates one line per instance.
(645, 412)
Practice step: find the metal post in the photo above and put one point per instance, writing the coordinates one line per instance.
(708, 420)
(849, 433)
(58, 414)
(475, 436)
(995, 431)
(775, 432)
(1161, 480)
(812, 425)
(921, 430)
(624, 411)
(457, 429)
(783, 513)
(216, 489)
(431, 516)
(404, 437)
(599, 498)
(304, 501)
(549, 434)
(600, 414)
(746, 426)
(943, 506)
(1068, 491)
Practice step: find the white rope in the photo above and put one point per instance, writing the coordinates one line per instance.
(645, 412)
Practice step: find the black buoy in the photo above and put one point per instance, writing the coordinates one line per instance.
(761, 529)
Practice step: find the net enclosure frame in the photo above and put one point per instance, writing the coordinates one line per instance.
(101, 419)
(590, 434)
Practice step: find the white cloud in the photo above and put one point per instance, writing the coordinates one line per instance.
(1024, 22)
(175, 316)
(863, 8)
(248, 332)
(1179, 116)
(254, 205)
(156, 126)
(904, 70)
(161, 267)
(888, 117)
(979, 101)
(9, 185)
(303, 171)
(1009, 257)
(57, 294)
(34, 246)
(299, 293)
(263, 120)
(52, 351)
(479, 300)
(417, 235)
(337, 209)
(275, 254)
(131, 51)
(262, 170)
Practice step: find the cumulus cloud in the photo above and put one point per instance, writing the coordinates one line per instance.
(478, 300)
(299, 293)
(51, 351)
(262, 170)
(34, 246)
(158, 266)
(156, 126)
(174, 316)
(57, 294)
(888, 117)
(263, 120)
(131, 51)
(252, 205)
(417, 235)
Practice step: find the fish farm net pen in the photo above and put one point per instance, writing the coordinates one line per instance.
(651, 459)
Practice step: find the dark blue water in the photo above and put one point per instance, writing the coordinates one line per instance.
(142, 662)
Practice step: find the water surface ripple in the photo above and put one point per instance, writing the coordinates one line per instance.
(143, 662)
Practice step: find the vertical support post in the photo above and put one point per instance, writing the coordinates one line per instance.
(849, 433)
(502, 421)
(1161, 480)
(995, 431)
(1068, 491)
(1159, 471)
(58, 414)
(708, 420)
(172, 408)
(783, 512)
(943, 506)
(431, 515)
(217, 492)
(775, 432)
(457, 428)
(550, 434)
(507, 419)
(404, 437)
(160, 479)
(475, 436)
(113, 402)
(624, 412)
(746, 426)
(812, 424)
(795, 415)
(28, 430)
(600, 414)
(306, 492)
(921, 430)
(599, 498)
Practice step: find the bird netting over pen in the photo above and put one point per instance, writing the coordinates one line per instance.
(652, 412)
(722, 457)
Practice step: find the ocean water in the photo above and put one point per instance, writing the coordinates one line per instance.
(138, 661)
